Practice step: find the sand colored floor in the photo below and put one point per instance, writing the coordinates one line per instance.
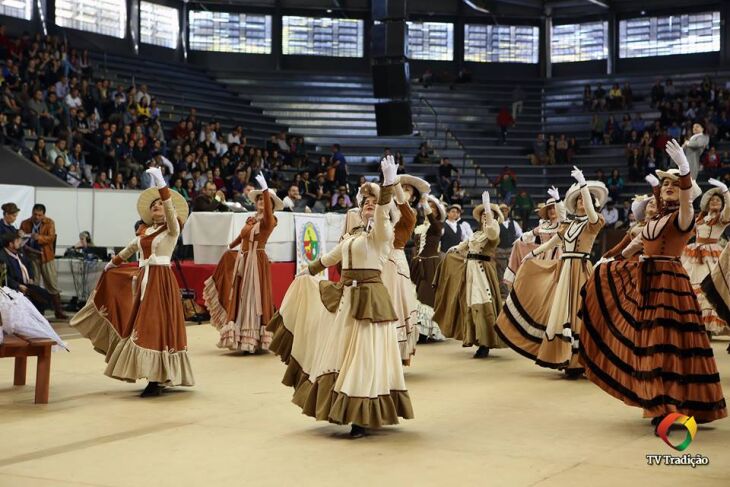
(500, 421)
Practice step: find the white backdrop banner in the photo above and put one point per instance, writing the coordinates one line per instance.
(311, 238)
(23, 196)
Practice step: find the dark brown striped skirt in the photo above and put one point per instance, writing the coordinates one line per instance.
(644, 342)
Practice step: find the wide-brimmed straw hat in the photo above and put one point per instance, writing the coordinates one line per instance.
(439, 205)
(453, 206)
(543, 208)
(150, 195)
(598, 191)
(275, 200)
(705, 201)
(421, 185)
(496, 211)
(673, 174)
(367, 190)
(638, 206)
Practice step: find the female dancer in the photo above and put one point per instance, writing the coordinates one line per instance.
(483, 300)
(540, 318)
(425, 263)
(551, 215)
(716, 287)
(147, 340)
(700, 257)
(242, 280)
(644, 341)
(341, 348)
(396, 274)
(644, 208)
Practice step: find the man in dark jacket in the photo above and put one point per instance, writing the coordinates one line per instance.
(209, 199)
(19, 272)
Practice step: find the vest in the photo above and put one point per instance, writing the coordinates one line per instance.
(450, 238)
(507, 235)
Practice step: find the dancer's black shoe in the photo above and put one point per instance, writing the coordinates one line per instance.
(573, 374)
(422, 339)
(482, 352)
(357, 431)
(153, 389)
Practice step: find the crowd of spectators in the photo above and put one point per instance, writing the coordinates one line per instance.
(554, 149)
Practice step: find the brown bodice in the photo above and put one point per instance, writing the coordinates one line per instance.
(662, 236)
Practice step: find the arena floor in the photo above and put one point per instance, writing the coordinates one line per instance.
(500, 421)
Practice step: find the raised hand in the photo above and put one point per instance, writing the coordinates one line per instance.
(676, 152)
(652, 180)
(390, 170)
(486, 200)
(578, 176)
(718, 184)
(554, 193)
(156, 175)
(261, 180)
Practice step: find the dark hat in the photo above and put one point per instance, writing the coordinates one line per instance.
(10, 208)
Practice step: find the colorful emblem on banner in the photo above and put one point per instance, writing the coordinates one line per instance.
(310, 242)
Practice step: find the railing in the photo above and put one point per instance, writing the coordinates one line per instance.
(435, 115)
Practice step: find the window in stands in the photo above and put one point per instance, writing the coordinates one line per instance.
(159, 25)
(107, 17)
(230, 32)
(22, 9)
(431, 40)
(579, 42)
(663, 36)
(311, 36)
(501, 43)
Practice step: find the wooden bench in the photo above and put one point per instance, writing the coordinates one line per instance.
(21, 348)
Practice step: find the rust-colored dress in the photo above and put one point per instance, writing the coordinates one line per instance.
(138, 323)
(644, 341)
(397, 280)
(423, 271)
(238, 295)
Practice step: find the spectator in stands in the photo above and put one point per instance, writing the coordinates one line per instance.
(573, 148)
(610, 131)
(41, 250)
(341, 206)
(39, 155)
(190, 190)
(599, 98)
(210, 199)
(59, 149)
(610, 213)
(340, 164)
(518, 102)
(694, 147)
(341, 191)
(10, 215)
(628, 95)
(636, 166)
(456, 194)
(40, 119)
(294, 202)
(657, 93)
(422, 157)
(597, 128)
(523, 207)
(615, 184)
(506, 185)
(101, 181)
(551, 149)
(615, 98)
(711, 163)
(504, 121)
(118, 182)
(59, 169)
(561, 150)
(587, 97)
(539, 151)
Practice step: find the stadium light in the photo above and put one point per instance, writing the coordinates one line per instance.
(600, 3)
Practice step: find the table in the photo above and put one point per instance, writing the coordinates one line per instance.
(210, 233)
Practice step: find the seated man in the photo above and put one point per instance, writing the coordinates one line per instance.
(20, 273)
(294, 202)
(210, 199)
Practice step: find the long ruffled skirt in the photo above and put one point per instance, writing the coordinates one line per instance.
(141, 339)
(644, 341)
(397, 280)
(699, 260)
(342, 370)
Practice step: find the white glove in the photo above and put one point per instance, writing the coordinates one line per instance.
(424, 204)
(528, 257)
(109, 265)
(554, 193)
(718, 184)
(676, 152)
(578, 176)
(303, 271)
(156, 175)
(390, 170)
(652, 180)
(485, 200)
(261, 180)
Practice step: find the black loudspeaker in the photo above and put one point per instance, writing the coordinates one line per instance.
(391, 80)
(388, 40)
(388, 9)
(393, 118)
